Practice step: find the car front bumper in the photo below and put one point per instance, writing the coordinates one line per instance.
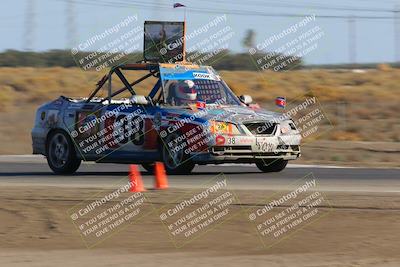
(251, 149)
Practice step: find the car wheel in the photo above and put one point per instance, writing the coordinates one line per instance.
(176, 162)
(149, 167)
(275, 165)
(61, 154)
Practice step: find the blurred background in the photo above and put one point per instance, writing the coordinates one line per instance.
(353, 69)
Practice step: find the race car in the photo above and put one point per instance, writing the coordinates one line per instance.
(190, 116)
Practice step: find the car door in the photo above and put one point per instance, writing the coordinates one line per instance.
(128, 134)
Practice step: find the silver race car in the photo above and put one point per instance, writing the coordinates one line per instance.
(189, 117)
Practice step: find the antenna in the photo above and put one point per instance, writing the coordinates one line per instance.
(184, 35)
(30, 20)
(177, 5)
(71, 26)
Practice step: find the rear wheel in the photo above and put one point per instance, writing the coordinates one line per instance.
(176, 162)
(61, 154)
(275, 165)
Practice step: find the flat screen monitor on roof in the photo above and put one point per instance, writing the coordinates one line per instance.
(163, 41)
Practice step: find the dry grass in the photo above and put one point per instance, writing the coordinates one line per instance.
(361, 106)
(330, 86)
(34, 86)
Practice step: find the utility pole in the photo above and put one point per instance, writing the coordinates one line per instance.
(396, 22)
(30, 25)
(71, 26)
(352, 40)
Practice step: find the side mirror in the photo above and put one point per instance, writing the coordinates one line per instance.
(139, 100)
(246, 99)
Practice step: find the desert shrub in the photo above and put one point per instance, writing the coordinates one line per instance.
(384, 67)
(345, 136)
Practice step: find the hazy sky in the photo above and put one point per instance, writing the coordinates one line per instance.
(374, 38)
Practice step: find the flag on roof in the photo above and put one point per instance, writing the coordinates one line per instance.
(280, 102)
(178, 5)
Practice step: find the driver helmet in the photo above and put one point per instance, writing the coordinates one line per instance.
(186, 91)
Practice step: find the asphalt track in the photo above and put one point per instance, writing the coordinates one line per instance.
(28, 170)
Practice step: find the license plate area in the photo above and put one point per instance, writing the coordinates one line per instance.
(265, 145)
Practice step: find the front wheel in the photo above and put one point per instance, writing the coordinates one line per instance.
(275, 165)
(176, 162)
(149, 167)
(61, 155)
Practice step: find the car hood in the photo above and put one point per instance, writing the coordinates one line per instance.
(233, 114)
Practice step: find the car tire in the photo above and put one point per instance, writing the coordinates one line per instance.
(61, 154)
(175, 163)
(275, 165)
(149, 167)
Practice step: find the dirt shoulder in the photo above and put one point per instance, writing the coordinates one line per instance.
(360, 230)
(351, 153)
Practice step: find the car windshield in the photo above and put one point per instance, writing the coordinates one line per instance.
(183, 87)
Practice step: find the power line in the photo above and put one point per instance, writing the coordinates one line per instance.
(222, 11)
(286, 15)
(302, 6)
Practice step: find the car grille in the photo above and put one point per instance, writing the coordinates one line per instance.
(246, 151)
(229, 149)
(261, 128)
(288, 147)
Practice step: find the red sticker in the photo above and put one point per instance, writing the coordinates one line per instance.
(220, 140)
(201, 105)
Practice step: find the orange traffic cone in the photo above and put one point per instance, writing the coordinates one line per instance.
(135, 179)
(161, 181)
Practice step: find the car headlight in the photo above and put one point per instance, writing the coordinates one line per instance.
(222, 127)
(287, 127)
